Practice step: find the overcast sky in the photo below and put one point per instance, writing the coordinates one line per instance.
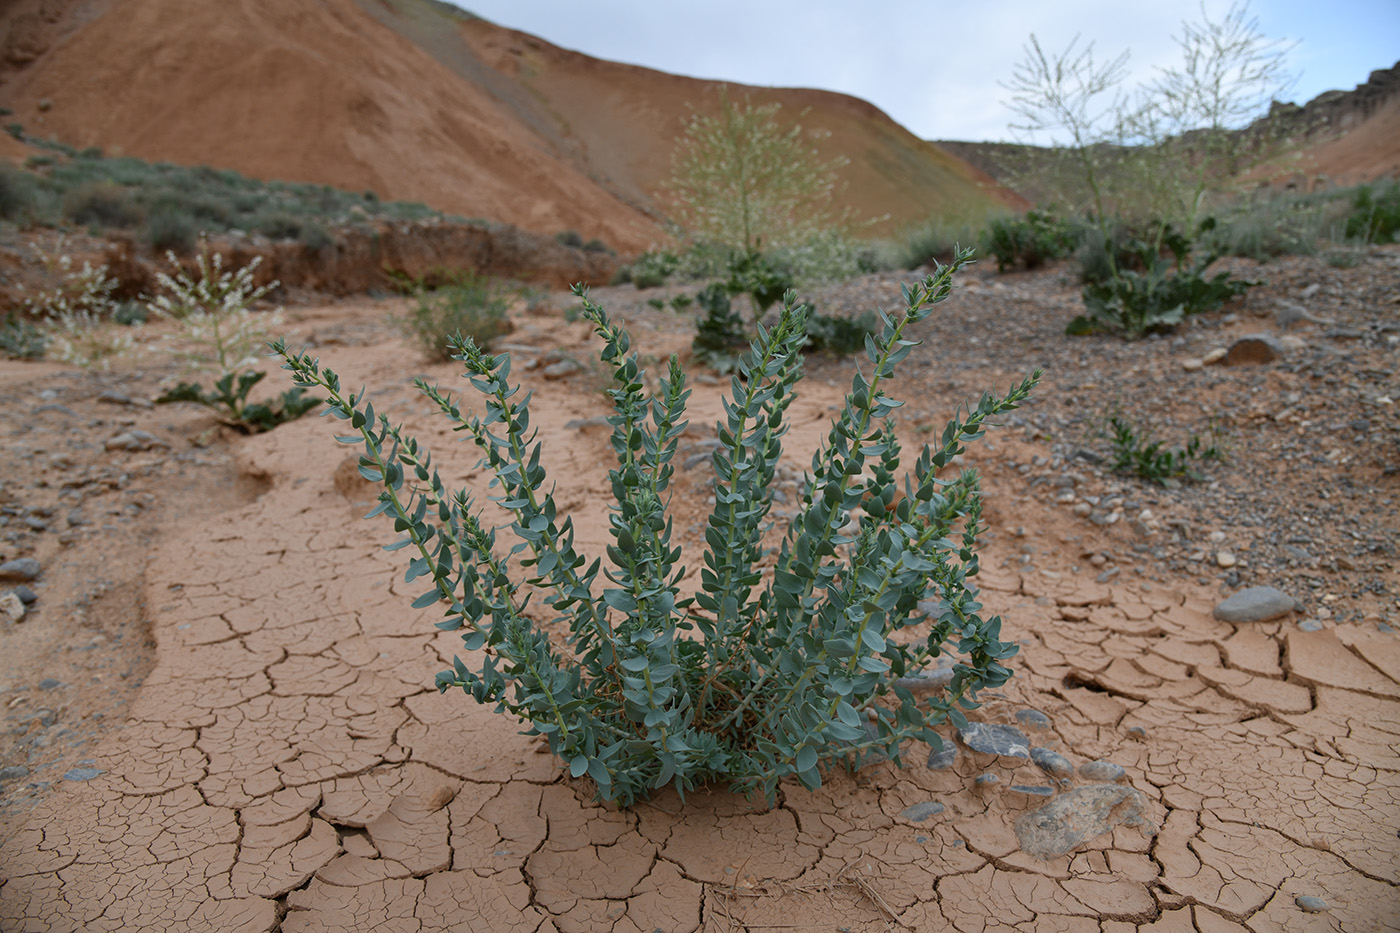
(933, 65)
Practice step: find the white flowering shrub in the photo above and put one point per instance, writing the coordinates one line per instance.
(76, 315)
(216, 317)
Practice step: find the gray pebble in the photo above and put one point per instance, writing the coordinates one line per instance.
(81, 774)
(943, 758)
(1310, 904)
(1108, 574)
(1033, 719)
(996, 740)
(1310, 625)
(560, 369)
(134, 440)
(1255, 604)
(28, 596)
(1033, 790)
(1380, 626)
(985, 780)
(1052, 762)
(50, 683)
(922, 811)
(1104, 771)
(26, 568)
(13, 773)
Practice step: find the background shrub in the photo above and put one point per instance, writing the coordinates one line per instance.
(470, 305)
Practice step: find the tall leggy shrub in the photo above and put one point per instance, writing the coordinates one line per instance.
(767, 671)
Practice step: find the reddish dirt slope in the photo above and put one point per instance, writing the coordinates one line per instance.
(416, 103)
(302, 91)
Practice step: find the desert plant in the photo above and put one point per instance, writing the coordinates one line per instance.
(651, 269)
(742, 180)
(75, 316)
(103, 204)
(1375, 213)
(1031, 241)
(763, 674)
(719, 331)
(229, 398)
(468, 304)
(1156, 159)
(840, 335)
(215, 313)
(20, 339)
(1158, 297)
(1136, 453)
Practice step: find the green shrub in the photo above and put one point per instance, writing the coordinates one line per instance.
(469, 305)
(937, 240)
(596, 245)
(839, 335)
(1030, 241)
(651, 269)
(1375, 213)
(1136, 453)
(20, 339)
(1159, 297)
(170, 229)
(229, 398)
(570, 238)
(103, 204)
(764, 674)
(719, 332)
(17, 193)
(16, 130)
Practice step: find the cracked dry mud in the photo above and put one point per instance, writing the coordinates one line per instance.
(288, 766)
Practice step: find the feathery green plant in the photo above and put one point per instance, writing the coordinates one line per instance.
(763, 673)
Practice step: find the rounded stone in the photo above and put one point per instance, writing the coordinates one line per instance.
(24, 569)
(1104, 771)
(1052, 762)
(943, 758)
(1312, 905)
(922, 811)
(1255, 604)
(1225, 560)
(991, 739)
(1033, 719)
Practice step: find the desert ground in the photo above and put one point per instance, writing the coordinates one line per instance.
(220, 715)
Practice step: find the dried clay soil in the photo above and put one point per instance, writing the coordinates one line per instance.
(239, 732)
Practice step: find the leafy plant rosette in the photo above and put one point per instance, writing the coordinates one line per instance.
(775, 668)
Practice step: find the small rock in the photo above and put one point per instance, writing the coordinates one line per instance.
(135, 440)
(1252, 349)
(81, 774)
(578, 424)
(996, 740)
(1105, 772)
(1033, 719)
(1032, 790)
(441, 797)
(25, 594)
(1297, 553)
(1313, 905)
(1076, 816)
(1083, 509)
(926, 681)
(560, 369)
(1214, 356)
(1052, 763)
(922, 811)
(24, 569)
(1225, 560)
(1310, 625)
(942, 759)
(112, 397)
(985, 780)
(50, 683)
(1255, 604)
(1108, 575)
(1192, 365)
(12, 608)
(13, 773)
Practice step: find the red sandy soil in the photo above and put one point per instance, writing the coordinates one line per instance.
(287, 765)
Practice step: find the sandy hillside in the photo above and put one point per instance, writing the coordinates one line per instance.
(417, 104)
(283, 763)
